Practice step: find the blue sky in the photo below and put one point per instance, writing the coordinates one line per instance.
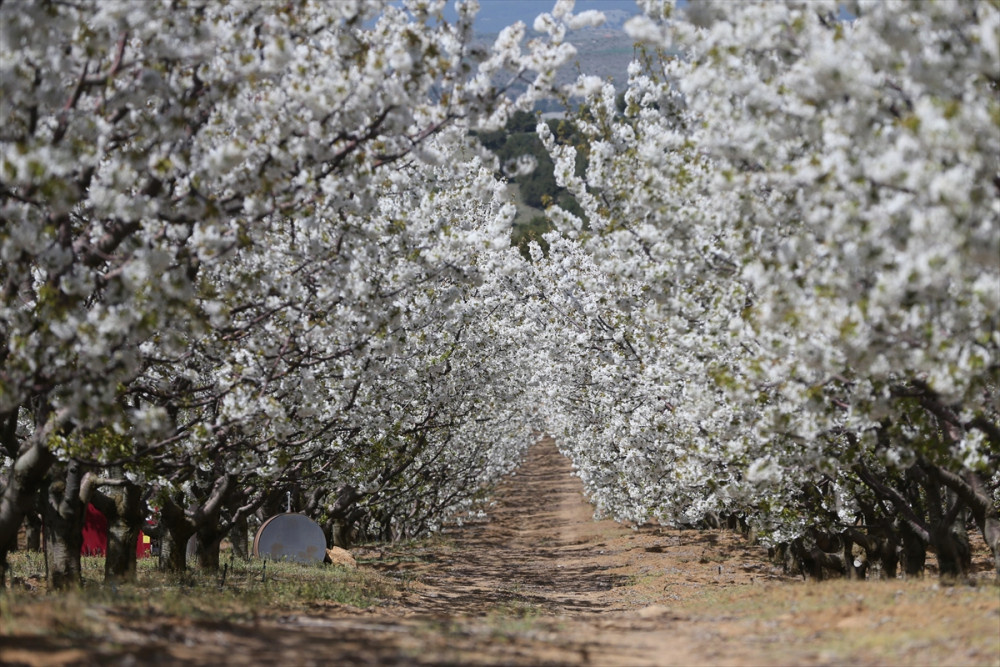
(497, 14)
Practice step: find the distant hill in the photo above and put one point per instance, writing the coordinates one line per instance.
(605, 51)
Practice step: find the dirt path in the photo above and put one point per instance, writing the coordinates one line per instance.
(536, 551)
(540, 583)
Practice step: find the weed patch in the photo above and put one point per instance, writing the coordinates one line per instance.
(243, 590)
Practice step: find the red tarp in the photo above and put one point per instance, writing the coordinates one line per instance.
(95, 536)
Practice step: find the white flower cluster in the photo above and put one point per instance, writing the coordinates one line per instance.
(254, 247)
(247, 246)
(807, 209)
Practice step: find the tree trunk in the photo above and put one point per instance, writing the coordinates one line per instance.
(911, 523)
(914, 551)
(953, 552)
(63, 517)
(991, 533)
(340, 534)
(126, 513)
(989, 525)
(914, 543)
(120, 562)
(888, 543)
(173, 548)
(858, 571)
(175, 531)
(33, 531)
(807, 566)
(207, 541)
(19, 497)
(201, 520)
(239, 536)
(947, 528)
(970, 488)
(62, 552)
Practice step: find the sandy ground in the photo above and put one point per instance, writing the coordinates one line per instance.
(541, 583)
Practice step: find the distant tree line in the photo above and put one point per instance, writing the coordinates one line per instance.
(538, 188)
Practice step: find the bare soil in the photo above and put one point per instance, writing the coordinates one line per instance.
(540, 583)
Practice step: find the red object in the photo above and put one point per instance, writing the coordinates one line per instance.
(95, 533)
(95, 536)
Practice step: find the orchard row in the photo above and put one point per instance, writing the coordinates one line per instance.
(252, 249)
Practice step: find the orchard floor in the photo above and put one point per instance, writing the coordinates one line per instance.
(541, 583)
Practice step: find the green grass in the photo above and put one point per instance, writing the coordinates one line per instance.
(246, 588)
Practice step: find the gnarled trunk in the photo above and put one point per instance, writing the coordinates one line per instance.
(33, 531)
(63, 515)
(207, 541)
(880, 544)
(914, 551)
(971, 490)
(947, 530)
(239, 536)
(173, 548)
(954, 554)
(123, 507)
(201, 521)
(120, 561)
(20, 494)
(175, 531)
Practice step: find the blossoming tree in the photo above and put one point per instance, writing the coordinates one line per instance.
(202, 264)
(811, 205)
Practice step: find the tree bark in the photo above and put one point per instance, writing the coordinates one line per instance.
(33, 531)
(175, 531)
(953, 552)
(126, 513)
(947, 529)
(24, 481)
(239, 536)
(173, 547)
(880, 545)
(63, 516)
(914, 551)
(970, 489)
(207, 541)
(340, 534)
